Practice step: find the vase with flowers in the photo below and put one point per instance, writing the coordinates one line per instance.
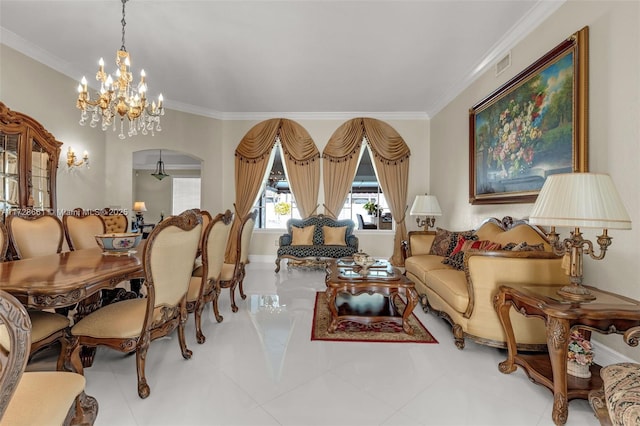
(579, 355)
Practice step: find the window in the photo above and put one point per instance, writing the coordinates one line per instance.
(276, 204)
(366, 189)
(186, 194)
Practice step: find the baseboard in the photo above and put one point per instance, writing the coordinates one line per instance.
(604, 355)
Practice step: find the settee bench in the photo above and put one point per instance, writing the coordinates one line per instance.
(317, 238)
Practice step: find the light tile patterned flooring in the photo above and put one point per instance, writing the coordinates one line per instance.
(259, 367)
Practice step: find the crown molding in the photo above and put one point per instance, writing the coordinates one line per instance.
(540, 12)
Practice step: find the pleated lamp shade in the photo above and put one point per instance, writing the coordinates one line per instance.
(425, 205)
(580, 200)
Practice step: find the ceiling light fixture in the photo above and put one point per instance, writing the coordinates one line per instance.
(120, 98)
(159, 173)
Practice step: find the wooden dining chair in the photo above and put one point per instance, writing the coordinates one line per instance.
(38, 397)
(232, 274)
(131, 325)
(80, 229)
(25, 233)
(204, 289)
(33, 235)
(206, 219)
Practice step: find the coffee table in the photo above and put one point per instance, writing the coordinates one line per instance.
(347, 281)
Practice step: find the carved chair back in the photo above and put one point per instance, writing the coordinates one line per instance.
(34, 235)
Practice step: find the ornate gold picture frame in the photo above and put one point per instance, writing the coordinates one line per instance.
(531, 127)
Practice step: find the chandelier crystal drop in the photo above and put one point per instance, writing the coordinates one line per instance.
(119, 98)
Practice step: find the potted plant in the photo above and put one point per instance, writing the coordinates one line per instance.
(579, 355)
(371, 208)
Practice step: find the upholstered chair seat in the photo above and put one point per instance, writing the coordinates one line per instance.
(55, 390)
(39, 397)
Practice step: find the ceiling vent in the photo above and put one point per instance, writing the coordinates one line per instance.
(503, 64)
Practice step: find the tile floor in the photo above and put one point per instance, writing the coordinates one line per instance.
(259, 367)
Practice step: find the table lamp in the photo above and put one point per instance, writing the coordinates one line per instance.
(139, 207)
(427, 206)
(579, 200)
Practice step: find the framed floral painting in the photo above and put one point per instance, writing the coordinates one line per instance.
(533, 126)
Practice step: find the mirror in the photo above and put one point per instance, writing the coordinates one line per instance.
(178, 191)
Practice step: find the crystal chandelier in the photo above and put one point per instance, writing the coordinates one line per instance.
(120, 98)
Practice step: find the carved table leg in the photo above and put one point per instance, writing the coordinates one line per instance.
(502, 307)
(412, 300)
(331, 301)
(557, 342)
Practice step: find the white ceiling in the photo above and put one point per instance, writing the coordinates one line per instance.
(259, 59)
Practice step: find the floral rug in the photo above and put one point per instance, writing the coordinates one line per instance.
(349, 331)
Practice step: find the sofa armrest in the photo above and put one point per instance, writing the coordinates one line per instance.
(352, 241)
(486, 271)
(417, 242)
(285, 240)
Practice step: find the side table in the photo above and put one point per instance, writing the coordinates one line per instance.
(609, 313)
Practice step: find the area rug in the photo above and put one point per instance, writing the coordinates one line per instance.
(349, 331)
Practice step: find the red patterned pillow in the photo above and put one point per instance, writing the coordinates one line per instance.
(465, 244)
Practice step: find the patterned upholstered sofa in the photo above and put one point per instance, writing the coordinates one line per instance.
(618, 401)
(317, 238)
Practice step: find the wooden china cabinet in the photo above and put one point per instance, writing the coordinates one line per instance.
(28, 163)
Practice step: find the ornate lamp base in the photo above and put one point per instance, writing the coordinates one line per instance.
(576, 293)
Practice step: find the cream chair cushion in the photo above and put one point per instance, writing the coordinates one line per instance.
(115, 223)
(43, 398)
(82, 230)
(43, 325)
(228, 270)
(38, 237)
(118, 320)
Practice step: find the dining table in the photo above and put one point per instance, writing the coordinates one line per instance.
(72, 278)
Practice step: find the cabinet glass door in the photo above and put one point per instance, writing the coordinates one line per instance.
(9, 187)
(40, 178)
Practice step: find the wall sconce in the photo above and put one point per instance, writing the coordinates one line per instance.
(139, 207)
(579, 200)
(72, 160)
(428, 206)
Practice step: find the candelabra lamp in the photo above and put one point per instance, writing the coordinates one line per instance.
(427, 206)
(139, 207)
(579, 200)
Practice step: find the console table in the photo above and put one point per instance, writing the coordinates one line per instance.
(609, 313)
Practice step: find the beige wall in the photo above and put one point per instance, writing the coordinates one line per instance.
(31, 88)
(613, 126)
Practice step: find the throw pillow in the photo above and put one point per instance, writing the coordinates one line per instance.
(440, 242)
(455, 238)
(302, 236)
(456, 260)
(524, 246)
(334, 236)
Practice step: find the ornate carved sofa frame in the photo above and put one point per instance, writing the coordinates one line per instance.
(318, 251)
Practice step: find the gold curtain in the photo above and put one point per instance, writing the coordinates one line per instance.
(302, 161)
(339, 162)
(252, 158)
(391, 158)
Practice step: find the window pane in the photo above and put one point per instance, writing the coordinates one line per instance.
(186, 194)
(276, 204)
